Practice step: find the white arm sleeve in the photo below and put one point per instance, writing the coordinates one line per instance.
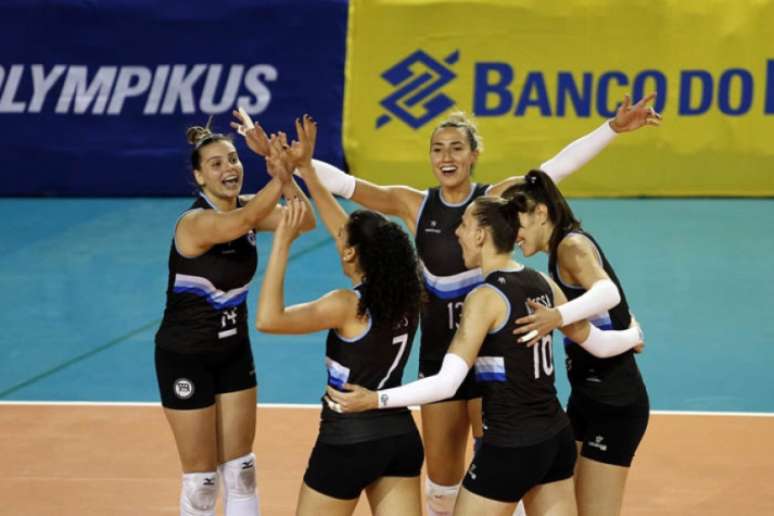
(609, 343)
(333, 179)
(578, 153)
(603, 295)
(441, 385)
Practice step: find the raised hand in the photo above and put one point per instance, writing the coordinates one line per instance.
(277, 161)
(630, 117)
(540, 322)
(254, 135)
(302, 149)
(293, 214)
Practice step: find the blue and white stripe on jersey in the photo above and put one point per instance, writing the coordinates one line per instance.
(490, 369)
(202, 287)
(450, 287)
(338, 374)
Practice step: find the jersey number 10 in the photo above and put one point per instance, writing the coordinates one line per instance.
(542, 357)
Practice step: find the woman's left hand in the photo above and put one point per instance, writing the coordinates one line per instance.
(631, 117)
(540, 322)
(358, 399)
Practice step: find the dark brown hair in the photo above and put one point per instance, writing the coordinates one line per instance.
(501, 217)
(391, 286)
(200, 137)
(539, 188)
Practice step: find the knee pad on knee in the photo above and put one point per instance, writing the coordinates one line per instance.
(239, 476)
(198, 494)
(440, 499)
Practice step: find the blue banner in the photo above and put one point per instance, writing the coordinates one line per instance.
(95, 97)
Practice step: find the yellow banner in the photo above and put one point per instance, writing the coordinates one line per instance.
(537, 75)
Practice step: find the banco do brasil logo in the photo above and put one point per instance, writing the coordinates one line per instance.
(418, 79)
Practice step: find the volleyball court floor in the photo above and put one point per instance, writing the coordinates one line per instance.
(81, 431)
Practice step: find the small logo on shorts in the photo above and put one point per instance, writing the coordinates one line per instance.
(597, 443)
(251, 238)
(472, 471)
(184, 388)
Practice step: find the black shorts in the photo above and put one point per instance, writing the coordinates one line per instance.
(343, 471)
(610, 434)
(469, 390)
(507, 474)
(191, 381)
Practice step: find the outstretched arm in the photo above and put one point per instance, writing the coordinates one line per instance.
(628, 118)
(400, 201)
(332, 214)
(272, 316)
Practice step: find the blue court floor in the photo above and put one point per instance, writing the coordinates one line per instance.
(84, 283)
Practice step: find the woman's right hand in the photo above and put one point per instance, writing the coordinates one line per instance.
(289, 228)
(254, 135)
(353, 399)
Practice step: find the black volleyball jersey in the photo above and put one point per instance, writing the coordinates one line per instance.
(206, 295)
(615, 380)
(446, 278)
(519, 405)
(374, 360)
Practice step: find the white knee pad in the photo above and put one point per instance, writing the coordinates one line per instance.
(199, 493)
(440, 499)
(241, 498)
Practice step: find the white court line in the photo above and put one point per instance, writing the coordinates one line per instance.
(142, 404)
(317, 406)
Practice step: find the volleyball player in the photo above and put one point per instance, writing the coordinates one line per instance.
(204, 364)
(608, 405)
(370, 330)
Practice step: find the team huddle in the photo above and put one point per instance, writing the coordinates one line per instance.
(485, 359)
